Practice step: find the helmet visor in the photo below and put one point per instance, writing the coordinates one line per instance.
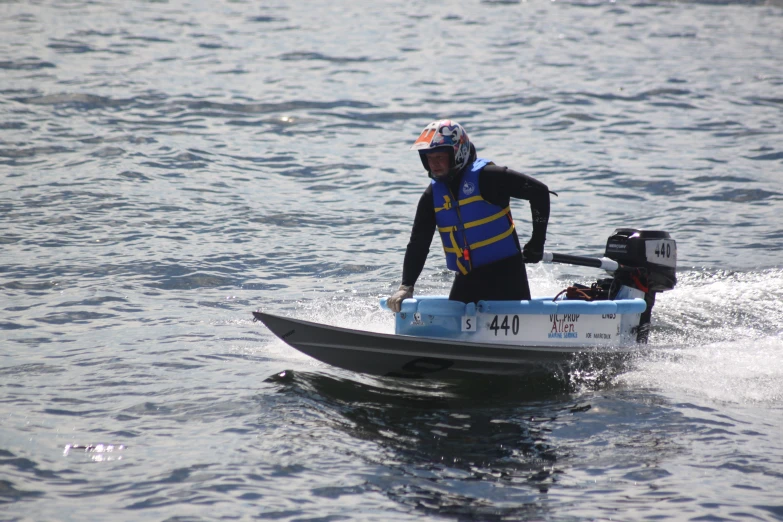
(424, 140)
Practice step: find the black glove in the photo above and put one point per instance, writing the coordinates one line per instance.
(533, 252)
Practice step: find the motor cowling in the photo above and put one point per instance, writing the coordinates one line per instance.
(648, 260)
(653, 252)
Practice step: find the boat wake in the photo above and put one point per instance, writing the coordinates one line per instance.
(718, 335)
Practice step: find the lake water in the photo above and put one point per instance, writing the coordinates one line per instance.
(168, 167)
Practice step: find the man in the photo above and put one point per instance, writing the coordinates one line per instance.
(468, 202)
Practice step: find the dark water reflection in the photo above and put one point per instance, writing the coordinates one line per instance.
(442, 441)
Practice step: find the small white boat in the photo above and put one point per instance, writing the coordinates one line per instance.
(441, 338)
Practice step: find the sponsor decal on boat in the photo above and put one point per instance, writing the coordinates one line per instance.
(563, 326)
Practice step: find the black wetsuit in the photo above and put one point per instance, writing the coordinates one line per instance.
(502, 280)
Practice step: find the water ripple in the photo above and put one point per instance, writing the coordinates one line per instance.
(167, 172)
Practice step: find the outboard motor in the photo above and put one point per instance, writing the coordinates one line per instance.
(648, 260)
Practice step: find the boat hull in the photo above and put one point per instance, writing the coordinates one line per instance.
(420, 357)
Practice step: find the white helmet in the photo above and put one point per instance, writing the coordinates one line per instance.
(444, 135)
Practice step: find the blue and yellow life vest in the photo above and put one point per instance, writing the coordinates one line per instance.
(474, 232)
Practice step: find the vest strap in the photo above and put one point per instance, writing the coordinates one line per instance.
(455, 249)
(493, 239)
(447, 204)
(465, 201)
(478, 222)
